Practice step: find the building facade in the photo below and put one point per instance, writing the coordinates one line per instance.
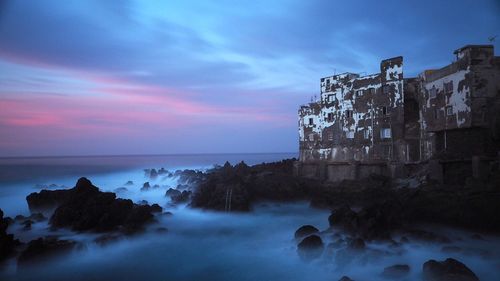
(381, 122)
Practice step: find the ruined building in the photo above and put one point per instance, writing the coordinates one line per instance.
(383, 123)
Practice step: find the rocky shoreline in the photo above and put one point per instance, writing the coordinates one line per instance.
(373, 209)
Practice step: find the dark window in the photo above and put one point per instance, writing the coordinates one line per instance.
(448, 87)
(330, 117)
(372, 91)
(384, 110)
(348, 113)
(449, 110)
(311, 121)
(436, 113)
(359, 93)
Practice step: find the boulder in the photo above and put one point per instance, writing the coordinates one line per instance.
(305, 230)
(310, 248)
(397, 271)
(447, 270)
(146, 186)
(120, 190)
(172, 192)
(42, 248)
(181, 198)
(129, 183)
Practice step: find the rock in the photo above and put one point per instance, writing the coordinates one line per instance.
(305, 230)
(145, 186)
(142, 202)
(153, 173)
(85, 208)
(447, 270)
(129, 183)
(310, 248)
(42, 248)
(27, 224)
(156, 186)
(121, 190)
(46, 199)
(356, 244)
(181, 198)
(155, 208)
(172, 192)
(397, 271)
(7, 241)
(161, 229)
(345, 278)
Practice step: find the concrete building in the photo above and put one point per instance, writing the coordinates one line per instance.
(383, 123)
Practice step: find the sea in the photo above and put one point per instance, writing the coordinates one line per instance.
(207, 245)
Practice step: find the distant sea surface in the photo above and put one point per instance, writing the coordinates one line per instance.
(28, 169)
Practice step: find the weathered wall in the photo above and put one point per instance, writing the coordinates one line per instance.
(346, 123)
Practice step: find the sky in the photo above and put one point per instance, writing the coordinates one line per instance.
(181, 76)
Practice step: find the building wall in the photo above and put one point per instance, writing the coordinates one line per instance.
(443, 116)
(346, 123)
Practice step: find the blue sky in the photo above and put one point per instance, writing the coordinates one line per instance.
(146, 77)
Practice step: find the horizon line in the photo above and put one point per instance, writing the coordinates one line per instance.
(137, 155)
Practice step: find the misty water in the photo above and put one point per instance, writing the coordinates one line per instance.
(206, 245)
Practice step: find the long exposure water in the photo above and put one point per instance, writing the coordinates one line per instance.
(204, 245)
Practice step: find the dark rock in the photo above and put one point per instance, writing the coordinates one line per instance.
(7, 241)
(447, 270)
(85, 208)
(172, 192)
(310, 248)
(305, 230)
(345, 278)
(153, 173)
(161, 229)
(156, 186)
(181, 198)
(42, 248)
(145, 186)
(162, 171)
(120, 190)
(37, 217)
(46, 199)
(155, 208)
(27, 224)
(20, 218)
(397, 271)
(356, 244)
(129, 183)
(142, 202)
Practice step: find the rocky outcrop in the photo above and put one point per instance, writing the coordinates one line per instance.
(447, 270)
(7, 241)
(181, 197)
(85, 208)
(40, 249)
(371, 223)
